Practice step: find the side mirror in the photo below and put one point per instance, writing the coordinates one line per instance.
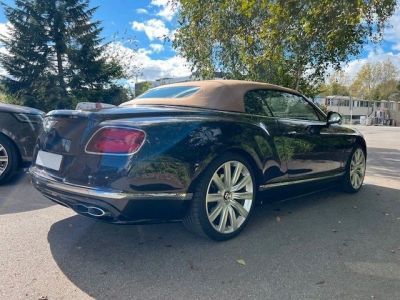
(333, 118)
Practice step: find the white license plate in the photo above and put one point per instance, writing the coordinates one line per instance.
(49, 160)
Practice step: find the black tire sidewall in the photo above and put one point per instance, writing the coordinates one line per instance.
(12, 159)
(202, 188)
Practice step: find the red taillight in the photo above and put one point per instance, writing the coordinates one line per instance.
(116, 140)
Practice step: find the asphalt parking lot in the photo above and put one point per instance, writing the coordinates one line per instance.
(326, 245)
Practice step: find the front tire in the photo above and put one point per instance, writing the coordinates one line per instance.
(8, 159)
(223, 199)
(355, 171)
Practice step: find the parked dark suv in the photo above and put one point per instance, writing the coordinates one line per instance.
(19, 129)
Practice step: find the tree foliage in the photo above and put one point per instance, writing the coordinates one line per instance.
(376, 81)
(54, 55)
(336, 85)
(142, 87)
(123, 49)
(287, 42)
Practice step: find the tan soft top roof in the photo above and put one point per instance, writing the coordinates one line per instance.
(214, 94)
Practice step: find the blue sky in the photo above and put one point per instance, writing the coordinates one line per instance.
(147, 21)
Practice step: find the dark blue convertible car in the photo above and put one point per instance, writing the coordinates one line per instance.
(195, 151)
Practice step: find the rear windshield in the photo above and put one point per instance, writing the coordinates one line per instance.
(170, 92)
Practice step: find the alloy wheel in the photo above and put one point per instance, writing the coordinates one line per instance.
(3, 159)
(357, 169)
(229, 197)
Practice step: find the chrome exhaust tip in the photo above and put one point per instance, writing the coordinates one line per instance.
(90, 210)
(95, 211)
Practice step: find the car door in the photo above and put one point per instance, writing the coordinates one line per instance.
(308, 153)
(274, 168)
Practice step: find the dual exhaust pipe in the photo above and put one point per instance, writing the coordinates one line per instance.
(90, 210)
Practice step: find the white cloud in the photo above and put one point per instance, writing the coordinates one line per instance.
(353, 67)
(167, 9)
(392, 33)
(396, 47)
(160, 2)
(142, 11)
(4, 32)
(153, 28)
(144, 51)
(150, 69)
(4, 29)
(157, 48)
(167, 12)
(377, 53)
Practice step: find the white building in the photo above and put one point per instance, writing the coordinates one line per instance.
(356, 110)
(163, 81)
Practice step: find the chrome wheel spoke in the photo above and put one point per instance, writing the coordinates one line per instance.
(242, 183)
(3, 158)
(360, 157)
(232, 218)
(239, 208)
(227, 175)
(216, 212)
(243, 196)
(217, 180)
(357, 180)
(352, 165)
(222, 221)
(214, 197)
(236, 173)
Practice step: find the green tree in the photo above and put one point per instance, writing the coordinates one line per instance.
(336, 85)
(142, 87)
(54, 55)
(375, 81)
(364, 82)
(291, 42)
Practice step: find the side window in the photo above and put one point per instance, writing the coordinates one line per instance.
(285, 105)
(255, 103)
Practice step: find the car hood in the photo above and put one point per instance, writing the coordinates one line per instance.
(19, 109)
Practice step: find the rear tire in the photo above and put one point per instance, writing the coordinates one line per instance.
(8, 159)
(355, 171)
(223, 198)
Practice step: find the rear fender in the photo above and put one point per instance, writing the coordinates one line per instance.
(178, 150)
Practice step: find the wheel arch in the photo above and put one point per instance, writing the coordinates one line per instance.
(363, 144)
(238, 151)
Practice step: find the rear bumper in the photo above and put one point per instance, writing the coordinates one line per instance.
(111, 205)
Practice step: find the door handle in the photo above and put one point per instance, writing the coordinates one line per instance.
(292, 133)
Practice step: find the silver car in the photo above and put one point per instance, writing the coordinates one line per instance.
(19, 129)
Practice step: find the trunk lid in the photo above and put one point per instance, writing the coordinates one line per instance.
(66, 133)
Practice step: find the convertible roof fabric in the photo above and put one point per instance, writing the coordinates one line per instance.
(221, 94)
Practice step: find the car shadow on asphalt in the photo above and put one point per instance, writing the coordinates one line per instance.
(19, 195)
(313, 233)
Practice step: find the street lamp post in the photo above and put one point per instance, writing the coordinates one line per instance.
(351, 110)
